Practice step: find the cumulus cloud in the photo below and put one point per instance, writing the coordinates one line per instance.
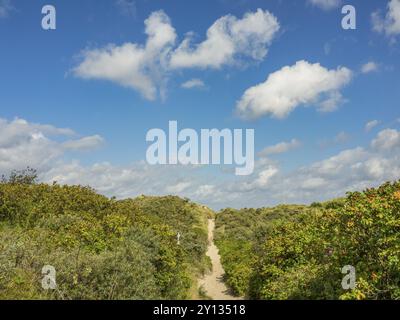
(349, 170)
(131, 65)
(146, 68)
(352, 169)
(228, 39)
(120, 181)
(40, 146)
(262, 179)
(369, 67)
(178, 188)
(388, 139)
(313, 183)
(193, 83)
(326, 4)
(281, 147)
(205, 191)
(286, 89)
(371, 124)
(28, 144)
(84, 144)
(388, 24)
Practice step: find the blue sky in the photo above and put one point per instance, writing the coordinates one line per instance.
(51, 80)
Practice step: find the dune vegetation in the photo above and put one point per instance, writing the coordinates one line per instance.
(101, 248)
(104, 248)
(298, 252)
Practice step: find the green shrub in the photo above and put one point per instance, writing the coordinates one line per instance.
(101, 248)
(297, 252)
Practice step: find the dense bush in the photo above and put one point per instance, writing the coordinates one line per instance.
(101, 248)
(236, 233)
(299, 252)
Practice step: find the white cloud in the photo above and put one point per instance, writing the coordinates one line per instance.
(13, 132)
(331, 102)
(369, 67)
(83, 144)
(352, 169)
(262, 180)
(228, 39)
(349, 170)
(119, 181)
(314, 183)
(178, 188)
(390, 23)
(25, 144)
(193, 83)
(135, 179)
(371, 124)
(146, 68)
(286, 89)
(341, 161)
(326, 4)
(387, 139)
(281, 147)
(131, 65)
(376, 167)
(205, 191)
(5, 8)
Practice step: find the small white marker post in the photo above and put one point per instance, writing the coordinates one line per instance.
(179, 238)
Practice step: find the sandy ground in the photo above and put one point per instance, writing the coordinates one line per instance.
(213, 282)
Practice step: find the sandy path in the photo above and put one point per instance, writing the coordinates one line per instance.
(213, 282)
